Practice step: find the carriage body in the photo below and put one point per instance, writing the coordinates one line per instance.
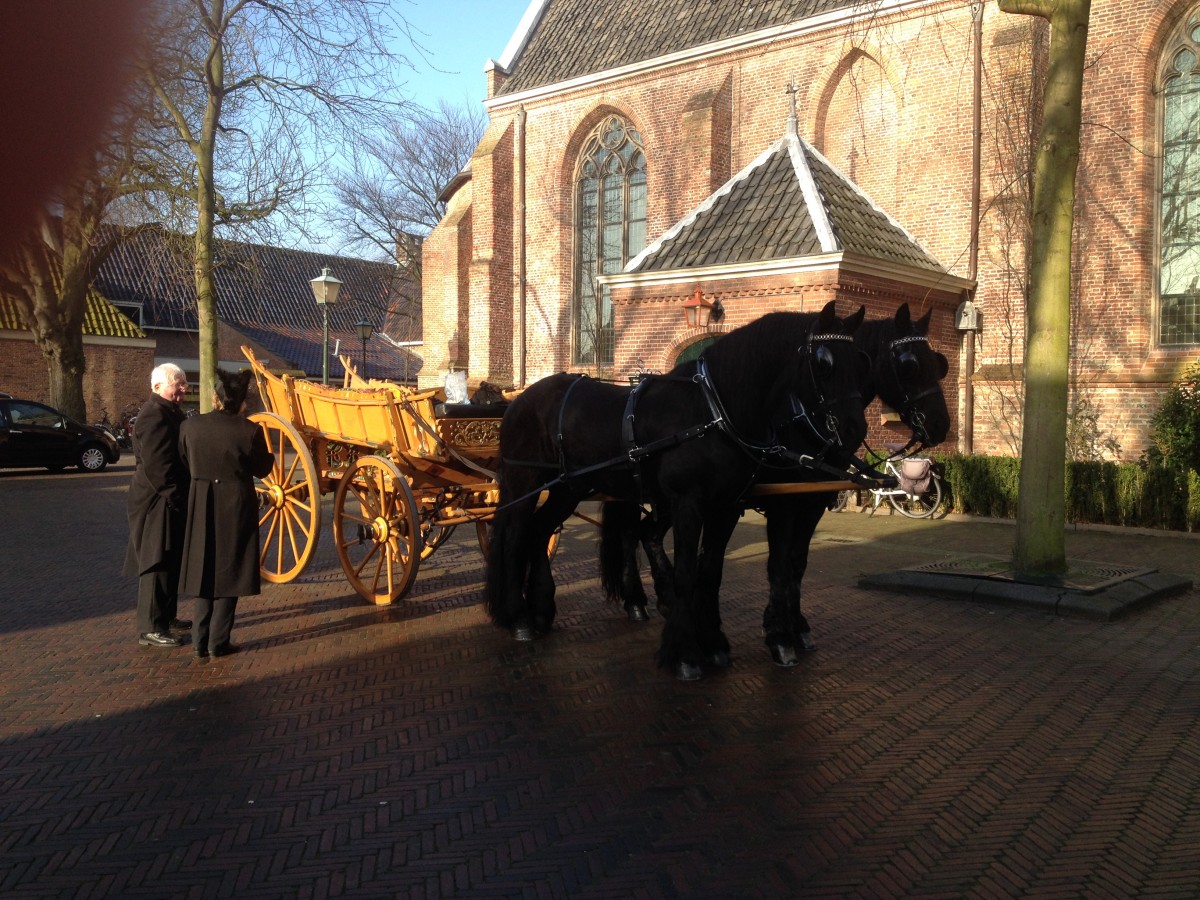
(404, 469)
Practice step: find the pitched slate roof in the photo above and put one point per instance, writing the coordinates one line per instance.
(789, 203)
(264, 293)
(572, 38)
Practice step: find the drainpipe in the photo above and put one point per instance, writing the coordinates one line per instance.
(966, 434)
(520, 223)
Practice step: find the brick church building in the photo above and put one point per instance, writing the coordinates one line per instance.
(754, 155)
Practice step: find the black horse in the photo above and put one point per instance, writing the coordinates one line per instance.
(690, 443)
(906, 373)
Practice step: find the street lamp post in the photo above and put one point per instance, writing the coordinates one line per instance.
(364, 332)
(325, 290)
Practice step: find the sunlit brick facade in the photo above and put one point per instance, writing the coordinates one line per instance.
(886, 94)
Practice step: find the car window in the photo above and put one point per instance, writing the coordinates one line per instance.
(23, 413)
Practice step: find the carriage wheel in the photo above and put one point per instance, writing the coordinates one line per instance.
(483, 530)
(433, 536)
(377, 530)
(289, 503)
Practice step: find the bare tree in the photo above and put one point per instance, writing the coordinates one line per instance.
(258, 93)
(390, 195)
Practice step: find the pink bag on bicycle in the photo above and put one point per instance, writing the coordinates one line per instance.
(915, 474)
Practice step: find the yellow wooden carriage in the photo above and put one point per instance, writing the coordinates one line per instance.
(404, 468)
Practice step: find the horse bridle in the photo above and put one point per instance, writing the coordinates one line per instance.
(909, 413)
(826, 441)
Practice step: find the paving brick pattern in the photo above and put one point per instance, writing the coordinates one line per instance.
(928, 748)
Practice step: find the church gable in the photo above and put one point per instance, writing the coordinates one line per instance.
(573, 38)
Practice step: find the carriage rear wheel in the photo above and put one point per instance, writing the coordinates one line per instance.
(377, 529)
(289, 502)
(433, 536)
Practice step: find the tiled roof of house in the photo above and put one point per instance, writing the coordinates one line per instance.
(573, 38)
(100, 318)
(264, 293)
(789, 203)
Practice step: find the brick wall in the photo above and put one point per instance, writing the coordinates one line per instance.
(118, 372)
(909, 148)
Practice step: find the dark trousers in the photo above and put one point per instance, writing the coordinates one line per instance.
(212, 622)
(158, 599)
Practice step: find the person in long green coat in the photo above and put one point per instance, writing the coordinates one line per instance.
(224, 452)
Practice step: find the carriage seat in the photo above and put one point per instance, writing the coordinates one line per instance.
(469, 410)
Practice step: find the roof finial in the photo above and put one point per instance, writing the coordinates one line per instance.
(792, 125)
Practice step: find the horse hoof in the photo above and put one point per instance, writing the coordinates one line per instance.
(784, 656)
(806, 641)
(637, 614)
(523, 633)
(720, 659)
(688, 672)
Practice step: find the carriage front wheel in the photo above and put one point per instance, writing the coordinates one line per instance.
(289, 502)
(377, 529)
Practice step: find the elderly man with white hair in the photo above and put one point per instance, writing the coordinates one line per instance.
(158, 509)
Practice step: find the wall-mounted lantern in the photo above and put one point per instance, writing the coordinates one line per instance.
(699, 313)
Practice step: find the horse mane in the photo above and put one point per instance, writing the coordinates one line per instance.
(753, 364)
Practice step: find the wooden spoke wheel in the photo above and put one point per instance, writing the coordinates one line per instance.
(377, 529)
(483, 530)
(289, 503)
(433, 536)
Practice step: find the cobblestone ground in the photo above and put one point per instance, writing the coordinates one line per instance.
(928, 748)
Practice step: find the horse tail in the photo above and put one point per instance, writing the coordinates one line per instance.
(620, 527)
(499, 559)
(614, 520)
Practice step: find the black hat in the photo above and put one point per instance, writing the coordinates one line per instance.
(231, 388)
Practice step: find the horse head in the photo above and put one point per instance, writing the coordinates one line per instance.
(830, 380)
(906, 373)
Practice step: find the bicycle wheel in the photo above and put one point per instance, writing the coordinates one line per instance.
(843, 497)
(919, 506)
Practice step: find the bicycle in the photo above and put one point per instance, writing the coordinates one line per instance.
(918, 490)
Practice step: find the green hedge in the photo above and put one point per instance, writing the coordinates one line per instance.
(1104, 493)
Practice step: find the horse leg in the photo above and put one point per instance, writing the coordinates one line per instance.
(680, 647)
(539, 608)
(619, 573)
(507, 564)
(791, 524)
(718, 529)
(653, 530)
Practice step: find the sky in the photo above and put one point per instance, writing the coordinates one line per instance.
(460, 36)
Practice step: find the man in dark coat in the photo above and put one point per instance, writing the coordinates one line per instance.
(225, 452)
(157, 508)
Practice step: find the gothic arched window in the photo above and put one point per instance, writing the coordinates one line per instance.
(1179, 215)
(610, 227)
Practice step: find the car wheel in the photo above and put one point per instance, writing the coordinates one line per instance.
(92, 459)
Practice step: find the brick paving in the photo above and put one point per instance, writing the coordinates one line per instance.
(928, 748)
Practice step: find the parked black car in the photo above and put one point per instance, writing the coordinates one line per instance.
(35, 435)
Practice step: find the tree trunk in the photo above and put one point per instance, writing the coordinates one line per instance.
(1040, 549)
(205, 151)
